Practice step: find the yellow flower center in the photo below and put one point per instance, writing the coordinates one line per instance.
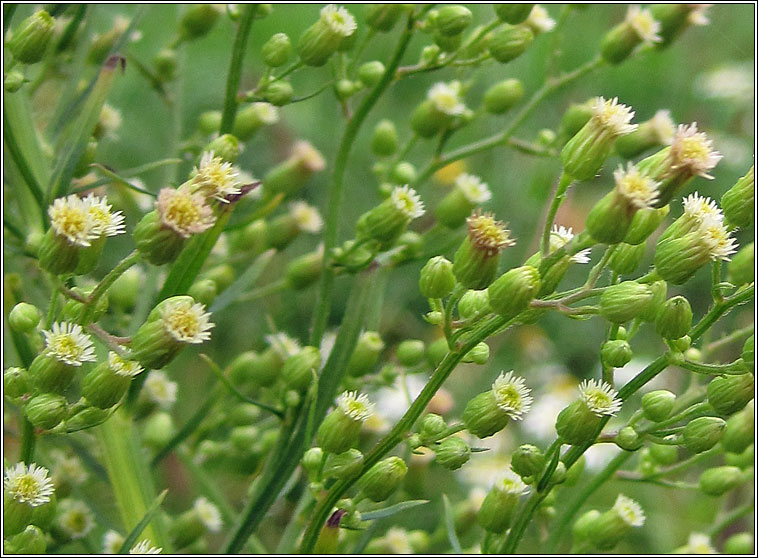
(509, 396)
(694, 148)
(26, 487)
(65, 345)
(183, 322)
(182, 211)
(597, 399)
(71, 222)
(487, 233)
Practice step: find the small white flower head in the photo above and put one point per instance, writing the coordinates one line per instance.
(539, 20)
(184, 212)
(309, 157)
(629, 511)
(701, 208)
(717, 239)
(70, 218)
(106, 222)
(307, 217)
(698, 15)
(208, 514)
(283, 344)
(510, 483)
(355, 406)
(112, 542)
(75, 518)
(407, 201)
(160, 389)
(692, 152)
(145, 547)
(185, 321)
(663, 126)
(123, 367)
(339, 20)
(613, 116)
(110, 120)
(699, 543)
(267, 113)
(397, 541)
(638, 189)
(215, 178)
(67, 468)
(645, 26)
(446, 98)
(599, 397)
(28, 484)
(488, 234)
(473, 188)
(68, 343)
(560, 236)
(512, 395)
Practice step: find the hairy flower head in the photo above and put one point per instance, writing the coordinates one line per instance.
(510, 483)
(75, 518)
(28, 484)
(407, 201)
(663, 126)
(160, 389)
(186, 321)
(488, 234)
(698, 543)
(717, 239)
(307, 217)
(599, 397)
(638, 189)
(283, 344)
(560, 236)
(208, 514)
(123, 367)
(145, 547)
(267, 113)
(539, 20)
(70, 218)
(473, 188)
(68, 343)
(512, 395)
(692, 152)
(112, 542)
(308, 156)
(698, 15)
(357, 407)
(339, 20)
(215, 178)
(629, 511)
(184, 212)
(645, 26)
(612, 116)
(701, 208)
(446, 98)
(106, 222)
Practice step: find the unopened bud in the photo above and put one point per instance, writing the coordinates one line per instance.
(278, 93)
(748, 353)
(371, 73)
(30, 541)
(452, 453)
(46, 410)
(312, 460)
(503, 95)
(277, 50)
(626, 258)
(24, 317)
(437, 279)
(577, 424)
(509, 42)
(197, 21)
(304, 270)
(382, 17)
(513, 13)
(616, 353)
(738, 202)
(227, 147)
(644, 223)
(621, 302)
(452, 20)
(701, 434)
(381, 480)
(740, 543)
(657, 405)
(384, 140)
(674, 318)
(664, 454)
(740, 430)
(344, 466)
(628, 439)
(741, 269)
(16, 383)
(410, 352)
(299, 369)
(29, 42)
(209, 122)
(480, 354)
(474, 304)
(165, 64)
(366, 354)
(730, 393)
(432, 426)
(13, 81)
(528, 461)
(720, 480)
(512, 292)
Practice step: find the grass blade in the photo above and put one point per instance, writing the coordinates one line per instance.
(450, 526)
(131, 538)
(392, 510)
(243, 282)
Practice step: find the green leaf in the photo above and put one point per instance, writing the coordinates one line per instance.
(392, 510)
(131, 538)
(120, 180)
(243, 282)
(450, 526)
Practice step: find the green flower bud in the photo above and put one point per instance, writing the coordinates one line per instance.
(480, 354)
(16, 383)
(344, 466)
(46, 410)
(503, 95)
(346, 88)
(278, 93)
(253, 117)
(209, 122)
(657, 405)
(403, 173)
(512, 292)
(621, 302)
(644, 223)
(626, 258)
(165, 64)
(277, 50)
(371, 73)
(628, 439)
(616, 353)
(427, 120)
(312, 461)
(381, 480)
(432, 426)
(673, 19)
(575, 471)
(452, 20)
(720, 480)
(738, 202)
(577, 424)
(384, 140)
(740, 430)
(744, 460)
(656, 132)
(474, 304)
(609, 219)
(366, 354)
(29, 42)
(748, 353)
(157, 244)
(437, 279)
(382, 17)
(388, 220)
(448, 43)
(436, 351)
(304, 270)
(664, 455)
(501, 502)
(739, 543)
(452, 453)
(483, 417)
(509, 42)
(13, 81)
(410, 352)
(29, 541)
(24, 317)
(51, 374)
(730, 393)
(701, 434)
(341, 427)
(57, 255)
(204, 291)
(528, 461)
(741, 269)
(650, 312)
(584, 526)
(323, 38)
(513, 13)
(298, 370)
(16, 516)
(610, 527)
(185, 529)
(574, 119)
(468, 192)
(105, 385)
(227, 147)
(86, 417)
(674, 318)
(197, 21)
(158, 430)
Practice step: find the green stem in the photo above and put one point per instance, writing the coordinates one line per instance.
(735, 367)
(731, 517)
(105, 284)
(740, 297)
(235, 68)
(737, 335)
(560, 195)
(28, 441)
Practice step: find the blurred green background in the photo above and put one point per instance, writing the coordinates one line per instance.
(681, 78)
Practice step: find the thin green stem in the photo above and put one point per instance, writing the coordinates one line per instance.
(731, 517)
(28, 442)
(735, 367)
(235, 67)
(105, 284)
(736, 335)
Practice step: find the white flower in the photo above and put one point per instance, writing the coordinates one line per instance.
(75, 518)
(184, 212)
(446, 98)
(698, 543)
(28, 484)
(717, 239)
(123, 367)
(267, 113)
(638, 189)
(283, 344)
(539, 20)
(69, 217)
(397, 541)
(215, 178)
(208, 513)
(106, 223)
(698, 15)
(599, 397)
(67, 468)
(339, 20)
(613, 116)
(560, 236)
(645, 26)
(68, 343)
(185, 321)
(160, 389)
(110, 120)
(112, 542)
(512, 395)
(308, 156)
(473, 188)
(510, 483)
(701, 208)
(307, 217)
(487, 233)
(355, 406)
(145, 547)
(629, 511)
(407, 201)
(692, 151)
(663, 126)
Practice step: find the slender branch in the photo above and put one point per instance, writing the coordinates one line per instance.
(235, 67)
(105, 284)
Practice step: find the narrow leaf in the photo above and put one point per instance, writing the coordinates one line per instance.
(450, 526)
(131, 538)
(392, 510)
(120, 180)
(243, 282)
